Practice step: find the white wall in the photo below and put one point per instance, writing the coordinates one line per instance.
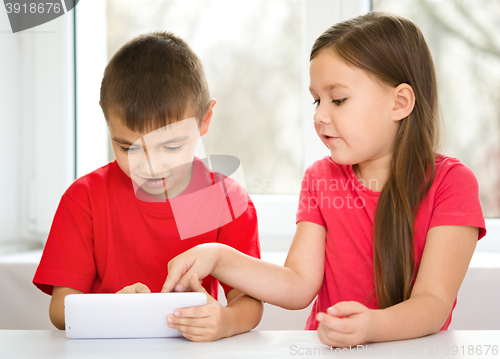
(10, 129)
(37, 125)
(92, 132)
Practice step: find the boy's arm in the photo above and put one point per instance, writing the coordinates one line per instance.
(213, 321)
(244, 312)
(56, 309)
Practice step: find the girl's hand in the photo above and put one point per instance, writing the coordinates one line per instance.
(345, 324)
(200, 260)
(199, 324)
(135, 288)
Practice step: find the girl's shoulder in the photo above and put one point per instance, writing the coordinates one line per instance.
(452, 169)
(454, 179)
(454, 195)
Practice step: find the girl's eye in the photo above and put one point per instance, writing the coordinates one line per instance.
(339, 101)
(316, 102)
(173, 149)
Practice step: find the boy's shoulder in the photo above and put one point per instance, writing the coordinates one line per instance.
(96, 180)
(232, 186)
(224, 170)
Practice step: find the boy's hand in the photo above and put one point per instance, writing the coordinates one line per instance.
(199, 324)
(200, 260)
(135, 288)
(345, 324)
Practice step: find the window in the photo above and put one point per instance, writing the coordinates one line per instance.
(42, 133)
(250, 51)
(466, 54)
(256, 57)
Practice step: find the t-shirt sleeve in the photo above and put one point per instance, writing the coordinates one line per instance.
(242, 232)
(67, 258)
(457, 200)
(308, 209)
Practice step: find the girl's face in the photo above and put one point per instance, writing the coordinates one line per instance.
(354, 111)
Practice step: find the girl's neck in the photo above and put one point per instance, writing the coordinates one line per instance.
(373, 174)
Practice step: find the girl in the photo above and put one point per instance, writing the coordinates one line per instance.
(386, 227)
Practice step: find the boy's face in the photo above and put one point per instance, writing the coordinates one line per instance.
(159, 161)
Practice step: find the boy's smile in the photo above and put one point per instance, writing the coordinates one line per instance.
(158, 162)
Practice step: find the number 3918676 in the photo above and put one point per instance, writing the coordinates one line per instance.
(34, 8)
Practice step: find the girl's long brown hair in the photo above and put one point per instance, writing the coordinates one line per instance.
(394, 50)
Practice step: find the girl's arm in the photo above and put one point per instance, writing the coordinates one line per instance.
(293, 286)
(56, 309)
(446, 257)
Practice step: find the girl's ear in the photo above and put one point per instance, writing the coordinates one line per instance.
(205, 123)
(404, 102)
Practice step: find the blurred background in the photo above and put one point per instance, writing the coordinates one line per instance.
(251, 54)
(256, 57)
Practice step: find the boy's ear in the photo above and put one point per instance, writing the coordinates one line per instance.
(205, 123)
(404, 102)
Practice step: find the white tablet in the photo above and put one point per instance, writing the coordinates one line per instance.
(127, 315)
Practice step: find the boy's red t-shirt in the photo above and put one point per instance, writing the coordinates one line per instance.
(334, 198)
(103, 238)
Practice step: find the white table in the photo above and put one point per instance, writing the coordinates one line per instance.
(40, 344)
(22, 306)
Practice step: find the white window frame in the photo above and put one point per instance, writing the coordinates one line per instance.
(41, 117)
(276, 213)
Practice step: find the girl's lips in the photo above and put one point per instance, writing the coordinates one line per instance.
(329, 138)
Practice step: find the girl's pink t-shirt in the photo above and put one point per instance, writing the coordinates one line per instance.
(334, 198)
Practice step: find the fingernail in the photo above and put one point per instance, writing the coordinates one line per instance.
(177, 313)
(333, 310)
(320, 317)
(179, 287)
(171, 325)
(170, 319)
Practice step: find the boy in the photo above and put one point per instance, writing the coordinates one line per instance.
(117, 228)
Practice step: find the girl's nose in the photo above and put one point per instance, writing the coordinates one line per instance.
(321, 117)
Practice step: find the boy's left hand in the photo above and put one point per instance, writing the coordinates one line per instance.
(345, 324)
(199, 324)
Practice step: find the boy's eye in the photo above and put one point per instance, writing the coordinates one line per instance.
(339, 101)
(128, 149)
(173, 149)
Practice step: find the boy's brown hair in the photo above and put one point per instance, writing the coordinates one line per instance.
(152, 81)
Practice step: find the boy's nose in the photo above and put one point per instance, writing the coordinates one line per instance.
(156, 168)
